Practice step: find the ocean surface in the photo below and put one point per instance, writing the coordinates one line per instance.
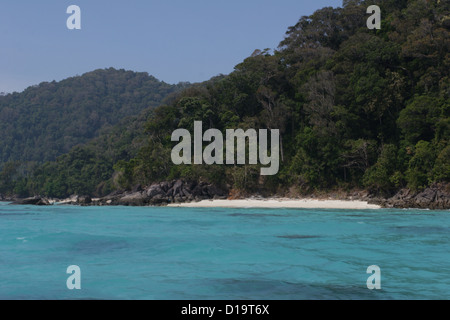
(178, 253)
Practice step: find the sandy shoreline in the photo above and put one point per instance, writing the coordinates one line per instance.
(280, 203)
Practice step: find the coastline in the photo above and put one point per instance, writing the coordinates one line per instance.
(280, 204)
(184, 194)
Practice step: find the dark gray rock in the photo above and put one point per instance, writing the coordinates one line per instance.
(437, 197)
(197, 191)
(158, 200)
(84, 200)
(177, 188)
(43, 202)
(155, 190)
(177, 191)
(133, 199)
(165, 186)
(35, 201)
(425, 199)
(187, 193)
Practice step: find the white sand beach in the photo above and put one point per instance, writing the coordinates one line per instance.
(280, 203)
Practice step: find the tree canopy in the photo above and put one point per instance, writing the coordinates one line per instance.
(356, 108)
(49, 119)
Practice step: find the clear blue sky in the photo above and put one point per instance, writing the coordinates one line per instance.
(174, 40)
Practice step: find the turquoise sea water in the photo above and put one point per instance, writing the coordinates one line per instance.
(176, 253)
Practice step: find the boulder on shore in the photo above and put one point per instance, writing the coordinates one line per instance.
(160, 194)
(84, 200)
(132, 199)
(436, 197)
(35, 201)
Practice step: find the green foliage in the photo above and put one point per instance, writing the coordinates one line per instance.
(420, 168)
(106, 109)
(245, 178)
(355, 108)
(48, 120)
(383, 176)
(81, 171)
(7, 177)
(419, 119)
(441, 171)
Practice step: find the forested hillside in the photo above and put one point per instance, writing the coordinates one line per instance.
(356, 108)
(48, 120)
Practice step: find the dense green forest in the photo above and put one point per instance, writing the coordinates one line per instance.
(356, 108)
(48, 120)
(102, 113)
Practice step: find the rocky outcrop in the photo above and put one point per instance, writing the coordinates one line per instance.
(158, 194)
(36, 201)
(8, 198)
(437, 197)
(84, 200)
(76, 201)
